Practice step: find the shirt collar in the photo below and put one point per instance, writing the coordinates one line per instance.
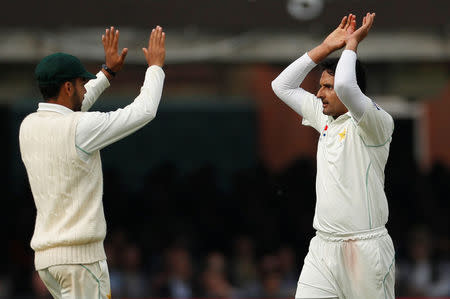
(344, 116)
(54, 108)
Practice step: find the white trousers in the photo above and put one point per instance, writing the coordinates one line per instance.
(351, 266)
(78, 281)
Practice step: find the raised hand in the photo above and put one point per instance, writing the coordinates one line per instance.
(155, 53)
(110, 42)
(354, 38)
(336, 39)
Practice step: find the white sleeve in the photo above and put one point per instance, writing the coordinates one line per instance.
(95, 130)
(346, 86)
(286, 87)
(94, 88)
(375, 125)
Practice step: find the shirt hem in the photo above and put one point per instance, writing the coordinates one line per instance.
(72, 254)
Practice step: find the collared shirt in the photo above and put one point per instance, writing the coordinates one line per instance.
(96, 130)
(352, 149)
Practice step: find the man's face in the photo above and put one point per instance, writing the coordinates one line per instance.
(332, 106)
(79, 92)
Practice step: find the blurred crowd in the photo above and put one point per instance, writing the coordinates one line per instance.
(191, 235)
(178, 273)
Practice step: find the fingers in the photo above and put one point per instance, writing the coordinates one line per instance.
(343, 22)
(123, 54)
(349, 20)
(111, 37)
(163, 39)
(151, 43)
(368, 20)
(155, 53)
(353, 23)
(107, 37)
(158, 35)
(115, 42)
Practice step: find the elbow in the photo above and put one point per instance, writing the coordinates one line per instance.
(152, 115)
(341, 88)
(276, 87)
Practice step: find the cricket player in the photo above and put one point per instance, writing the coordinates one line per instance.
(352, 255)
(60, 146)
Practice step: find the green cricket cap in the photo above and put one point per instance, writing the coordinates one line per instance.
(60, 67)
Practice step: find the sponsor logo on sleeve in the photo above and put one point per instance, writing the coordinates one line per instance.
(376, 106)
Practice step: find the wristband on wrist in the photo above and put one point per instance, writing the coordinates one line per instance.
(110, 71)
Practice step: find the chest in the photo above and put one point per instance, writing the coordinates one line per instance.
(338, 142)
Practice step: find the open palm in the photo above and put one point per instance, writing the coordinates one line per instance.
(358, 35)
(110, 41)
(336, 39)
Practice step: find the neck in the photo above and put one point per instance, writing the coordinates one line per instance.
(337, 115)
(62, 101)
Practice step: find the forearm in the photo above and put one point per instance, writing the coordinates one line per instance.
(94, 88)
(97, 130)
(295, 73)
(351, 45)
(320, 52)
(346, 86)
(286, 85)
(148, 100)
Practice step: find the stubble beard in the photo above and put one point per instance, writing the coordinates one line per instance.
(76, 101)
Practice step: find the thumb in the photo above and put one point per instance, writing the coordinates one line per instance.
(145, 51)
(123, 54)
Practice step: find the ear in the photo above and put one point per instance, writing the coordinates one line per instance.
(67, 89)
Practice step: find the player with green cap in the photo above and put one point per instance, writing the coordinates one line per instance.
(60, 67)
(60, 146)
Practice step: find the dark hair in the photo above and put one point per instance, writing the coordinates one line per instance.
(330, 65)
(51, 92)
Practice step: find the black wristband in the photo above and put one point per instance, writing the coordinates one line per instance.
(110, 71)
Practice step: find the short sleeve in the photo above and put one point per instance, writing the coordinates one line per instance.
(376, 126)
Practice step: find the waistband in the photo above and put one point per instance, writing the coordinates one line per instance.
(361, 235)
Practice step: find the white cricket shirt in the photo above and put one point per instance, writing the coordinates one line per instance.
(352, 149)
(96, 130)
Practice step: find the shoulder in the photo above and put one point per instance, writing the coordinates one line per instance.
(376, 125)
(376, 115)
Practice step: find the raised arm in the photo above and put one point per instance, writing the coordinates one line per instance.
(286, 85)
(375, 125)
(113, 64)
(96, 129)
(345, 83)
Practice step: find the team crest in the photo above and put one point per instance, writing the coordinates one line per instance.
(342, 135)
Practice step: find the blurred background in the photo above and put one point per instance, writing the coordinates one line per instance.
(215, 197)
